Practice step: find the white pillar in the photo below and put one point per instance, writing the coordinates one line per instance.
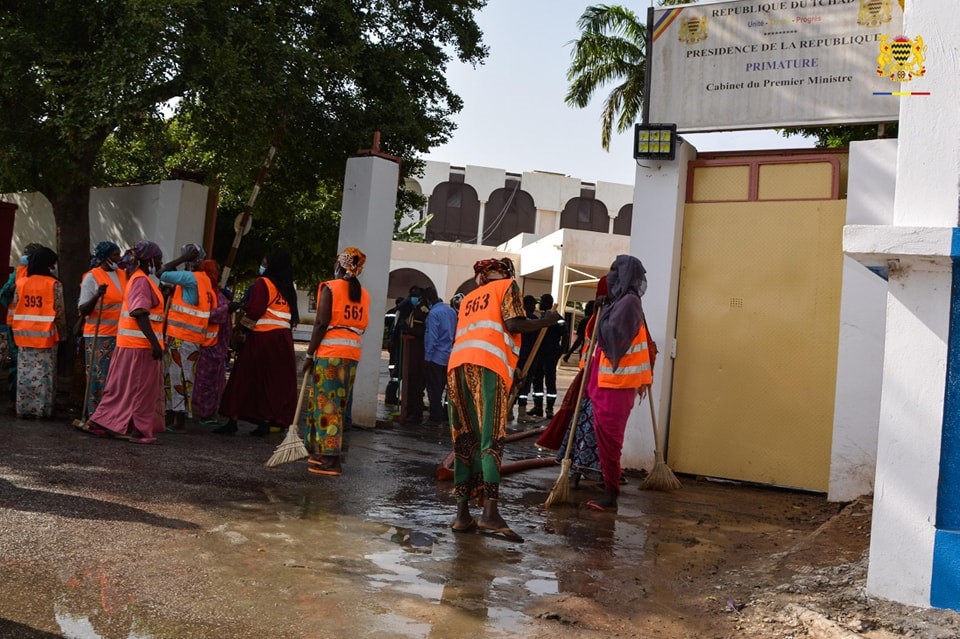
(655, 234)
(480, 221)
(915, 536)
(369, 202)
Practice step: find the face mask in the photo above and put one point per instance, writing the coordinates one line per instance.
(110, 266)
(25, 259)
(152, 269)
(263, 269)
(414, 300)
(54, 271)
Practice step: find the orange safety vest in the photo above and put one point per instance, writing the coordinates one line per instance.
(588, 336)
(633, 369)
(190, 322)
(21, 273)
(482, 338)
(348, 321)
(278, 311)
(112, 303)
(33, 323)
(129, 334)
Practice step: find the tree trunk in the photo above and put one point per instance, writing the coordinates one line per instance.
(71, 210)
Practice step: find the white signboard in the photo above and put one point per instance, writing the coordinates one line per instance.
(756, 64)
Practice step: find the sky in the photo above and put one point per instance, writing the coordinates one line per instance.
(514, 117)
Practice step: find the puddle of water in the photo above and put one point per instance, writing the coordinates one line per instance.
(401, 577)
(80, 627)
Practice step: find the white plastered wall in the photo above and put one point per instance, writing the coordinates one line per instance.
(657, 230)
(863, 304)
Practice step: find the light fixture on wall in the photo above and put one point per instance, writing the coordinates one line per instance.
(655, 141)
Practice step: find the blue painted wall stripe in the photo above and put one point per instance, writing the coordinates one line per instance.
(945, 581)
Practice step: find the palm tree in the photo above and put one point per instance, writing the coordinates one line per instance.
(611, 48)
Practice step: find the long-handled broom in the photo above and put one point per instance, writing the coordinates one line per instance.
(292, 447)
(560, 493)
(661, 477)
(84, 414)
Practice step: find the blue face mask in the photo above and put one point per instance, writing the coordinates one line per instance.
(414, 300)
(25, 259)
(263, 269)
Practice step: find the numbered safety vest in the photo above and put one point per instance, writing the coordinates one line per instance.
(348, 321)
(278, 311)
(129, 334)
(21, 273)
(34, 318)
(633, 370)
(112, 303)
(482, 338)
(190, 322)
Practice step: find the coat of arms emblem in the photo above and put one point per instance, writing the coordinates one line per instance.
(693, 30)
(874, 13)
(902, 59)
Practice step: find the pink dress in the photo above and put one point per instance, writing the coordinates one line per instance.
(611, 408)
(133, 398)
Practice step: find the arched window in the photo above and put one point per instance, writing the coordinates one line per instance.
(455, 208)
(509, 211)
(624, 221)
(585, 214)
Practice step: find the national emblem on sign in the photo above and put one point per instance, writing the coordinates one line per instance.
(693, 30)
(874, 13)
(902, 59)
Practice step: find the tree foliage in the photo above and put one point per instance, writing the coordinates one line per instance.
(316, 76)
(832, 137)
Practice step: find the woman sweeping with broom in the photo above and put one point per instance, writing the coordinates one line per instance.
(343, 311)
(619, 371)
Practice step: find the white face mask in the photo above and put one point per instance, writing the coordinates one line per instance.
(152, 269)
(263, 269)
(54, 271)
(109, 265)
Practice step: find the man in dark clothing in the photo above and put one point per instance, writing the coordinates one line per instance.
(581, 331)
(544, 370)
(526, 345)
(410, 322)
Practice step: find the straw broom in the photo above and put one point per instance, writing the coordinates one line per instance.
(560, 493)
(661, 477)
(78, 423)
(292, 447)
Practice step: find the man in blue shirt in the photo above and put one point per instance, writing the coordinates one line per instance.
(440, 330)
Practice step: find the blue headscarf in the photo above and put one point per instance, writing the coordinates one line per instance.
(101, 252)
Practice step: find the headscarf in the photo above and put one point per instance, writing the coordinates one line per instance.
(351, 260)
(41, 261)
(143, 251)
(201, 254)
(101, 252)
(621, 319)
(484, 268)
(280, 272)
(29, 250)
(212, 269)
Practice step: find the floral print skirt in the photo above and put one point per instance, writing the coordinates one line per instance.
(333, 379)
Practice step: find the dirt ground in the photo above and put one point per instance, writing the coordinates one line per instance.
(195, 538)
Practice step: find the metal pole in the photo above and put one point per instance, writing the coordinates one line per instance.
(648, 66)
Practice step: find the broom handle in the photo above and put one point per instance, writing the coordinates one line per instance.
(515, 393)
(93, 353)
(303, 392)
(653, 419)
(594, 339)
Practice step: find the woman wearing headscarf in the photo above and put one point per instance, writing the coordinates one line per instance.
(263, 384)
(104, 281)
(132, 402)
(619, 371)
(188, 319)
(212, 366)
(38, 324)
(343, 311)
(6, 299)
(479, 376)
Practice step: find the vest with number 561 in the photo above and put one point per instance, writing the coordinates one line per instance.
(348, 321)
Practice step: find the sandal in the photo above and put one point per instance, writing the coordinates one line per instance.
(593, 505)
(501, 533)
(470, 527)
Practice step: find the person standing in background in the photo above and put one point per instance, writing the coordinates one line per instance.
(544, 372)
(440, 331)
(212, 367)
(263, 384)
(581, 331)
(132, 404)
(414, 381)
(343, 313)
(105, 280)
(39, 324)
(186, 326)
(6, 298)
(527, 340)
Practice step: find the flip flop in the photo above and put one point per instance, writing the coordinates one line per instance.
(330, 472)
(593, 505)
(465, 529)
(500, 533)
(96, 431)
(143, 440)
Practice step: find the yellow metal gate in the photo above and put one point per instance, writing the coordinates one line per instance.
(757, 323)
